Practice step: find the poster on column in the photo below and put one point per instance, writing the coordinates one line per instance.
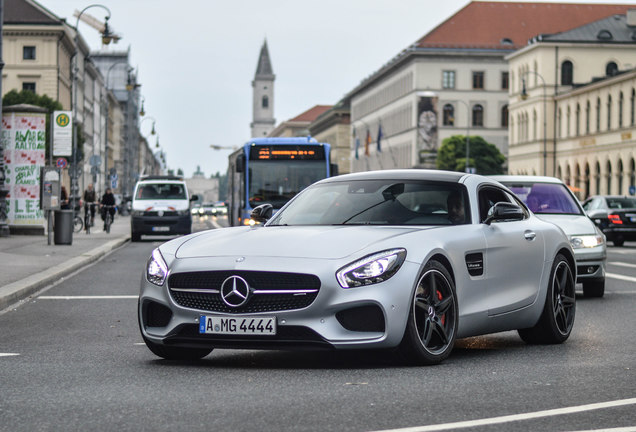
(24, 137)
(427, 129)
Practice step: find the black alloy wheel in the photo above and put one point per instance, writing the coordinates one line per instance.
(557, 319)
(432, 324)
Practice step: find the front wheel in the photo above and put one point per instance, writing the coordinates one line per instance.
(432, 322)
(78, 224)
(557, 319)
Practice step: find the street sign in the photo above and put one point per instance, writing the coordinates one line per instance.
(95, 161)
(62, 133)
(61, 163)
(113, 183)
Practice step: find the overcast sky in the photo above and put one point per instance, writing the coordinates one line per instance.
(196, 59)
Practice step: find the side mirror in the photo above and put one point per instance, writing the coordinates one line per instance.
(240, 163)
(262, 213)
(504, 211)
(194, 198)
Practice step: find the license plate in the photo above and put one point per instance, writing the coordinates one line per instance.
(160, 228)
(237, 325)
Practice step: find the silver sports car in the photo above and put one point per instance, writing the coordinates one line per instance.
(405, 259)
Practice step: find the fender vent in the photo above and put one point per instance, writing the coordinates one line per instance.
(475, 264)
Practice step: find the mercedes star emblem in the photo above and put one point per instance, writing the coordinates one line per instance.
(235, 291)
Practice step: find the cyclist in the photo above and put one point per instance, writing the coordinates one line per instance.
(107, 204)
(90, 199)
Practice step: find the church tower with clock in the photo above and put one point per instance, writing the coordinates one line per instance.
(263, 96)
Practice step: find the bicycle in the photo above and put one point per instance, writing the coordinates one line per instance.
(108, 217)
(89, 218)
(78, 222)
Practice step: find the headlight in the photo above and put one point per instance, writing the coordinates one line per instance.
(371, 269)
(586, 241)
(156, 269)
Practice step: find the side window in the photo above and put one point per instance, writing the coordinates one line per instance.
(488, 197)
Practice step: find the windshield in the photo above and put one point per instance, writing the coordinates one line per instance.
(160, 191)
(621, 203)
(276, 182)
(378, 202)
(546, 198)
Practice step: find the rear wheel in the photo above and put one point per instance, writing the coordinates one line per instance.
(432, 323)
(78, 224)
(618, 241)
(594, 288)
(135, 237)
(557, 319)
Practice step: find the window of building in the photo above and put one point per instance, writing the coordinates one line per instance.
(534, 125)
(29, 86)
(620, 110)
(567, 73)
(28, 53)
(609, 112)
(609, 177)
(265, 102)
(559, 124)
(504, 81)
(449, 115)
(577, 126)
(478, 115)
(632, 107)
(448, 79)
(567, 123)
(504, 116)
(478, 80)
(587, 118)
(611, 69)
(598, 114)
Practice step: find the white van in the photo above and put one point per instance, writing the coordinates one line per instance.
(160, 206)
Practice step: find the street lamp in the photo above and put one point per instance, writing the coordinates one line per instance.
(467, 167)
(524, 96)
(107, 37)
(153, 131)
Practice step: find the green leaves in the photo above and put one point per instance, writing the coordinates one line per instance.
(485, 157)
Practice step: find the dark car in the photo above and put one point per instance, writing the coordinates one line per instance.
(615, 215)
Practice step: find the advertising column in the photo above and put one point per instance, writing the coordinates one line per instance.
(24, 136)
(427, 118)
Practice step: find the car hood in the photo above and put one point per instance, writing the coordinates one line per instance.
(570, 224)
(327, 242)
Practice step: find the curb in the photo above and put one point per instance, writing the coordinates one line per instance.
(19, 290)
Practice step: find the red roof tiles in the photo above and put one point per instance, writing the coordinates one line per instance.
(484, 24)
(311, 114)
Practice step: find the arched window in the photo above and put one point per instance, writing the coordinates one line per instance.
(611, 69)
(567, 73)
(609, 177)
(265, 102)
(504, 116)
(632, 173)
(632, 107)
(597, 179)
(598, 114)
(559, 124)
(449, 115)
(620, 110)
(587, 118)
(567, 123)
(620, 176)
(586, 181)
(609, 112)
(534, 125)
(478, 115)
(577, 126)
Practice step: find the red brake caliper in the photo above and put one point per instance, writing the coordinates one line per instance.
(439, 297)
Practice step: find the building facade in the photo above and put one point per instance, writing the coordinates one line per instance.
(572, 106)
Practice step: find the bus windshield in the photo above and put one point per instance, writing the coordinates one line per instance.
(276, 182)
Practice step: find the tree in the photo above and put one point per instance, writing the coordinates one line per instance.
(180, 172)
(485, 157)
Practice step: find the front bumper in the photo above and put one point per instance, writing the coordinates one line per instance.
(616, 231)
(590, 263)
(160, 225)
(373, 316)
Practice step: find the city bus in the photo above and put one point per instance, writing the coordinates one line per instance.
(273, 170)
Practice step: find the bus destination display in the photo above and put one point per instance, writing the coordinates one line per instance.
(287, 152)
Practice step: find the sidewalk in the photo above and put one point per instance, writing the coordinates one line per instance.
(28, 263)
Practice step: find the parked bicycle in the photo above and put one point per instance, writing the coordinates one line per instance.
(78, 222)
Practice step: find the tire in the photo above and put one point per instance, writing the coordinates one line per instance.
(108, 222)
(431, 328)
(618, 241)
(135, 237)
(78, 224)
(594, 288)
(557, 319)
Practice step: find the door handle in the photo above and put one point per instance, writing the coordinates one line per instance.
(530, 235)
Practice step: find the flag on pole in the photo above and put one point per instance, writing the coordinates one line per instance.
(367, 143)
(379, 137)
(356, 141)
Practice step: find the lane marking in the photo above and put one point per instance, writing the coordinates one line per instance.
(515, 417)
(621, 277)
(622, 264)
(9, 354)
(619, 429)
(98, 297)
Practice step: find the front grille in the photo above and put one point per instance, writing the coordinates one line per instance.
(259, 301)
(156, 213)
(156, 314)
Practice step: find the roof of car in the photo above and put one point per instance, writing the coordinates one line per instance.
(525, 179)
(401, 174)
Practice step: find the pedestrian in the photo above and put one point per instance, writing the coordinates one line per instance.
(89, 203)
(64, 204)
